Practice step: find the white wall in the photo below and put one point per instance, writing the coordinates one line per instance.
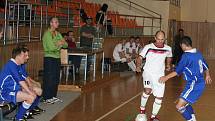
(161, 7)
(112, 5)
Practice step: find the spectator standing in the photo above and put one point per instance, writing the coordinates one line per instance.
(88, 32)
(176, 49)
(52, 43)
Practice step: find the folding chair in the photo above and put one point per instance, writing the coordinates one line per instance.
(65, 66)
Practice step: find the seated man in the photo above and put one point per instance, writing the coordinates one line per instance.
(138, 46)
(33, 85)
(130, 48)
(119, 55)
(13, 87)
(76, 60)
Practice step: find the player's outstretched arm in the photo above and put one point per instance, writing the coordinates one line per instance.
(138, 63)
(208, 79)
(168, 64)
(163, 79)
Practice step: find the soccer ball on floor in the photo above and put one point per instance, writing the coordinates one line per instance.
(141, 117)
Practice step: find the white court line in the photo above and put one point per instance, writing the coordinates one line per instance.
(118, 107)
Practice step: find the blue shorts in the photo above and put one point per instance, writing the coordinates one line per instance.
(9, 96)
(192, 91)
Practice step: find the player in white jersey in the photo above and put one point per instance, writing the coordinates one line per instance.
(119, 55)
(138, 45)
(156, 55)
(130, 46)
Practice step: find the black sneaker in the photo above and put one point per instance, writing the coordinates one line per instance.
(33, 112)
(38, 109)
(28, 116)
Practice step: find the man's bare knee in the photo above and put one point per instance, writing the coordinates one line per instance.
(39, 92)
(30, 99)
(148, 91)
(179, 106)
(181, 103)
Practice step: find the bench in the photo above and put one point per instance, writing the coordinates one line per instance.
(112, 66)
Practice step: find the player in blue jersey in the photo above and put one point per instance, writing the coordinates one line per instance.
(13, 88)
(32, 84)
(193, 66)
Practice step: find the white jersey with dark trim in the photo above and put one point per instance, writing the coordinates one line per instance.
(118, 48)
(155, 58)
(129, 47)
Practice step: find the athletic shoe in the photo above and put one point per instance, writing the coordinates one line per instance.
(19, 119)
(55, 99)
(49, 101)
(141, 117)
(28, 115)
(33, 112)
(38, 109)
(154, 119)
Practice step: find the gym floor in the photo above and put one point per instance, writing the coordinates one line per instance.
(118, 99)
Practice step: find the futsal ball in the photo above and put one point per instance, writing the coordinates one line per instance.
(141, 117)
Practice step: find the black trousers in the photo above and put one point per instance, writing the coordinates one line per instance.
(176, 57)
(51, 77)
(87, 44)
(76, 60)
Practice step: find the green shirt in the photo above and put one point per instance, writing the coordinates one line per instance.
(49, 44)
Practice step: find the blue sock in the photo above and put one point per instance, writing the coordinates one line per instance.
(35, 103)
(22, 110)
(190, 109)
(185, 113)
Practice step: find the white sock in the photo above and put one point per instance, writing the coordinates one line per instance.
(193, 117)
(190, 120)
(132, 65)
(156, 107)
(144, 99)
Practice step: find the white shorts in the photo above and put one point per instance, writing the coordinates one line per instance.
(151, 81)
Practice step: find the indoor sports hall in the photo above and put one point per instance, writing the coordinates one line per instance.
(88, 59)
